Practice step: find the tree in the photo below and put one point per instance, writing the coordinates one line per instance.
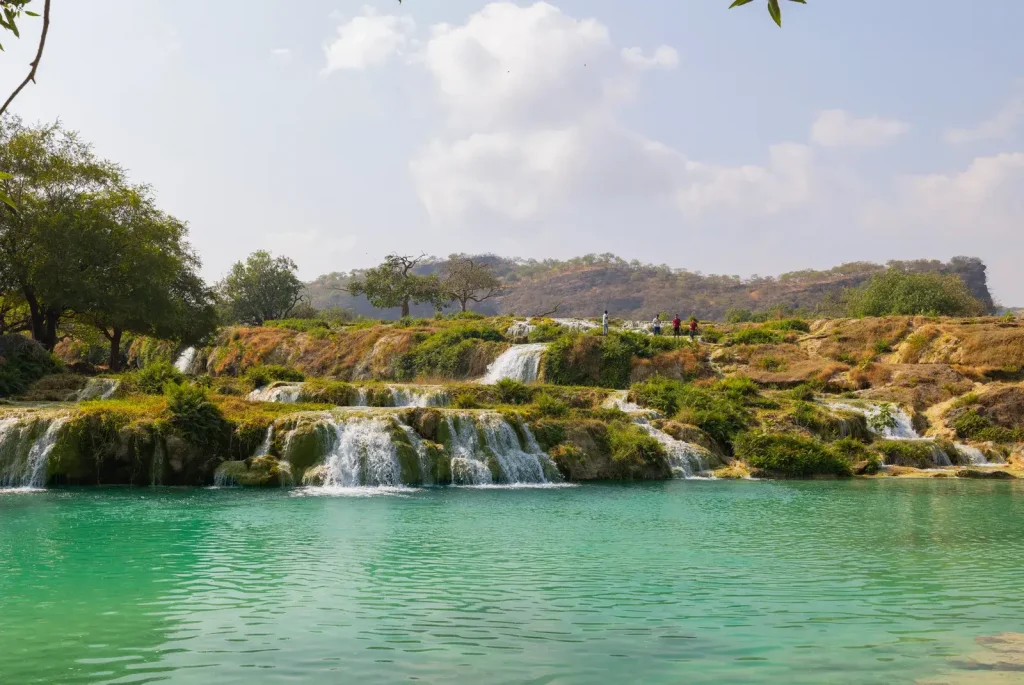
(466, 280)
(261, 289)
(773, 8)
(394, 284)
(45, 255)
(144, 276)
(899, 293)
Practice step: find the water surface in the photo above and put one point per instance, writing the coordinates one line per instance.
(696, 581)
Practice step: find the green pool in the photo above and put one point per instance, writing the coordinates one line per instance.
(676, 582)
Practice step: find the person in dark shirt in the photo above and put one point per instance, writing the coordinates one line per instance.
(676, 323)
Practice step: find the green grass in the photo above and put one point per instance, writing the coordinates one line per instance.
(790, 456)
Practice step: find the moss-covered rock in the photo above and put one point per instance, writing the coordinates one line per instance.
(994, 475)
(258, 472)
(789, 456)
(305, 443)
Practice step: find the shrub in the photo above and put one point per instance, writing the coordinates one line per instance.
(798, 325)
(770, 363)
(302, 325)
(606, 361)
(970, 423)
(916, 453)
(804, 392)
(510, 391)
(263, 375)
(965, 400)
(883, 420)
(711, 335)
(465, 400)
(929, 294)
(152, 378)
(467, 316)
(754, 336)
(790, 455)
(551, 406)
(720, 410)
(196, 418)
(545, 332)
(857, 454)
(635, 453)
(22, 362)
(739, 316)
(881, 347)
(447, 352)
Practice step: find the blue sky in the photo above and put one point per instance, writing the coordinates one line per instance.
(672, 132)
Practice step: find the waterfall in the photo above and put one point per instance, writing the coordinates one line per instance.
(901, 427)
(24, 453)
(517, 465)
(426, 468)
(519, 362)
(409, 396)
(468, 462)
(278, 392)
(576, 325)
(186, 360)
(686, 460)
(268, 440)
(98, 389)
(974, 456)
(620, 400)
(363, 453)
(520, 330)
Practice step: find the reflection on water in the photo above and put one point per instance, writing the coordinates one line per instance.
(699, 582)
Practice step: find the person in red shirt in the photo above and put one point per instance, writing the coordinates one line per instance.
(693, 327)
(676, 323)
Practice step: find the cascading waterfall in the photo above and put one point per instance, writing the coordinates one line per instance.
(186, 360)
(519, 363)
(468, 461)
(418, 397)
(620, 400)
(517, 465)
(426, 469)
(98, 389)
(268, 440)
(283, 392)
(520, 330)
(576, 325)
(902, 428)
(25, 452)
(363, 453)
(685, 459)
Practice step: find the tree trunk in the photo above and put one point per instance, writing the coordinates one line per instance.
(405, 307)
(50, 338)
(115, 350)
(463, 302)
(37, 322)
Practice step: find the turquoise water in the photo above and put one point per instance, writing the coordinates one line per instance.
(697, 582)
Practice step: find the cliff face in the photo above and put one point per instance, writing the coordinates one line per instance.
(586, 286)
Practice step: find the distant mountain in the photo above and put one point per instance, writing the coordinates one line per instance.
(586, 286)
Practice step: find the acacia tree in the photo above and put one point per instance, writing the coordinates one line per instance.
(466, 280)
(773, 8)
(144, 276)
(46, 257)
(394, 284)
(261, 289)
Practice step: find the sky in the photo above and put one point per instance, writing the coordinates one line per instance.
(673, 132)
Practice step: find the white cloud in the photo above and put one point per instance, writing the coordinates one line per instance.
(370, 39)
(664, 57)
(1001, 125)
(784, 183)
(838, 128)
(533, 97)
(516, 66)
(283, 54)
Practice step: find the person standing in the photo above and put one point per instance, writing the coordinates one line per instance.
(693, 328)
(676, 323)
(604, 323)
(656, 324)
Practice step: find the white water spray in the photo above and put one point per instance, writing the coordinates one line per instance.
(186, 360)
(519, 362)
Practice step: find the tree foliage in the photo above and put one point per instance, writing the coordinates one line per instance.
(898, 293)
(467, 280)
(395, 284)
(773, 8)
(261, 288)
(86, 246)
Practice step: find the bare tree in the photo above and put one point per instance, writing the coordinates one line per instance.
(467, 280)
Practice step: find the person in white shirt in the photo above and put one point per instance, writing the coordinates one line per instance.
(604, 323)
(657, 324)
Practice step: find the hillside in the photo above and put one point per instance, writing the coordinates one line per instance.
(585, 286)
